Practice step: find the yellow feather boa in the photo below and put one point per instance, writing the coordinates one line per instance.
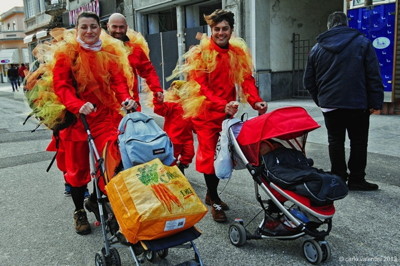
(45, 104)
(203, 57)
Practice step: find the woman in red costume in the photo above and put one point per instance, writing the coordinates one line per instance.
(214, 69)
(89, 77)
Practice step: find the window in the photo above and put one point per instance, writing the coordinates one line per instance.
(30, 9)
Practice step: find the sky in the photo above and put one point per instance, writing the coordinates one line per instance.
(6, 5)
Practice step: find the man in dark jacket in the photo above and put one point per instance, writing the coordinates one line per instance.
(12, 74)
(343, 78)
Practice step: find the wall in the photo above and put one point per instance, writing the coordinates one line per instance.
(307, 18)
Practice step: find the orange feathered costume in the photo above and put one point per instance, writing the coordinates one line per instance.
(76, 76)
(212, 74)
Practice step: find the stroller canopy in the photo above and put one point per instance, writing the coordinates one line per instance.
(284, 123)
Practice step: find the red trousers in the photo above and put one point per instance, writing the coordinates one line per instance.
(184, 152)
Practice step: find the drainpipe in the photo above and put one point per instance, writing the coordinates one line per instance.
(253, 30)
(180, 33)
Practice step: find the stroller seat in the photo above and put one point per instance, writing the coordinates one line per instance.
(322, 212)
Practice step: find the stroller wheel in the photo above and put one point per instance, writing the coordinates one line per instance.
(326, 251)
(163, 253)
(113, 259)
(312, 251)
(150, 255)
(100, 259)
(237, 234)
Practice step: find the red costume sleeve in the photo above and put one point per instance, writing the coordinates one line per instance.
(119, 84)
(250, 89)
(161, 108)
(63, 85)
(145, 69)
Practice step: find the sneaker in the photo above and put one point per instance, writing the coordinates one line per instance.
(208, 201)
(67, 191)
(91, 206)
(362, 186)
(218, 213)
(82, 225)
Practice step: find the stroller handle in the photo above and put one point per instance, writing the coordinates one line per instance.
(84, 121)
(130, 110)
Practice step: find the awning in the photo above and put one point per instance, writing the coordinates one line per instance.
(28, 38)
(9, 56)
(41, 34)
(25, 55)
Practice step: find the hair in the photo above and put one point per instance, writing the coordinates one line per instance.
(88, 14)
(117, 15)
(220, 15)
(337, 18)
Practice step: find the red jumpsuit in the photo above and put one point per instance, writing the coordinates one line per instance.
(142, 66)
(178, 129)
(92, 85)
(219, 89)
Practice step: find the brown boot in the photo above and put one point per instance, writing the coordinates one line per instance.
(218, 213)
(224, 206)
(82, 225)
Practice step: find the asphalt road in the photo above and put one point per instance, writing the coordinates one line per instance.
(37, 226)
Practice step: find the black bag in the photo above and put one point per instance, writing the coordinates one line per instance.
(291, 170)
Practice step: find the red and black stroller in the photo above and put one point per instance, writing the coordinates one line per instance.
(103, 168)
(299, 197)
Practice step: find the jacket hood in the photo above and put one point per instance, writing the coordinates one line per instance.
(337, 38)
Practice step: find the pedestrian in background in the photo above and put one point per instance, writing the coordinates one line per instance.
(343, 78)
(12, 74)
(214, 69)
(21, 73)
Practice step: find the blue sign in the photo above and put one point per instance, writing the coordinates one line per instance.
(378, 25)
(5, 61)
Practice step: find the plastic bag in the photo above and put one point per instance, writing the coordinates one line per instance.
(152, 201)
(224, 162)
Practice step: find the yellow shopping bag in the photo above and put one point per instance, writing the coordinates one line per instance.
(152, 201)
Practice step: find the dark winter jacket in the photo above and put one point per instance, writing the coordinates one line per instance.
(343, 71)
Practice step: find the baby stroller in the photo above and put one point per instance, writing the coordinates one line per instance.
(112, 237)
(287, 214)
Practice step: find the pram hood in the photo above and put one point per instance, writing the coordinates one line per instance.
(283, 123)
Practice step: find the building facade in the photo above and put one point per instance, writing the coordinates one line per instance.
(279, 33)
(13, 51)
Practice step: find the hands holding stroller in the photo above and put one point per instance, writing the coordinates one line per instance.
(231, 108)
(261, 107)
(87, 108)
(129, 104)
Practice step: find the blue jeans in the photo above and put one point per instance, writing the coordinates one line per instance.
(14, 84)
(356, 124)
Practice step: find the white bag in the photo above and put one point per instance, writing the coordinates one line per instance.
(223, 162)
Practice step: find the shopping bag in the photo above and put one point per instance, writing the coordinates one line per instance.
(152, 201)
(224, 161)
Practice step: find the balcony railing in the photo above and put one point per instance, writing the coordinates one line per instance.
(55, 7)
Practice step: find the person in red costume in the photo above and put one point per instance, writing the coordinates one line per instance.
(214, 69)
(179, 130)
(138, 58)
(88, 79)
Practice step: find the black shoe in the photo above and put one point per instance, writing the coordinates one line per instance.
(362, 186)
